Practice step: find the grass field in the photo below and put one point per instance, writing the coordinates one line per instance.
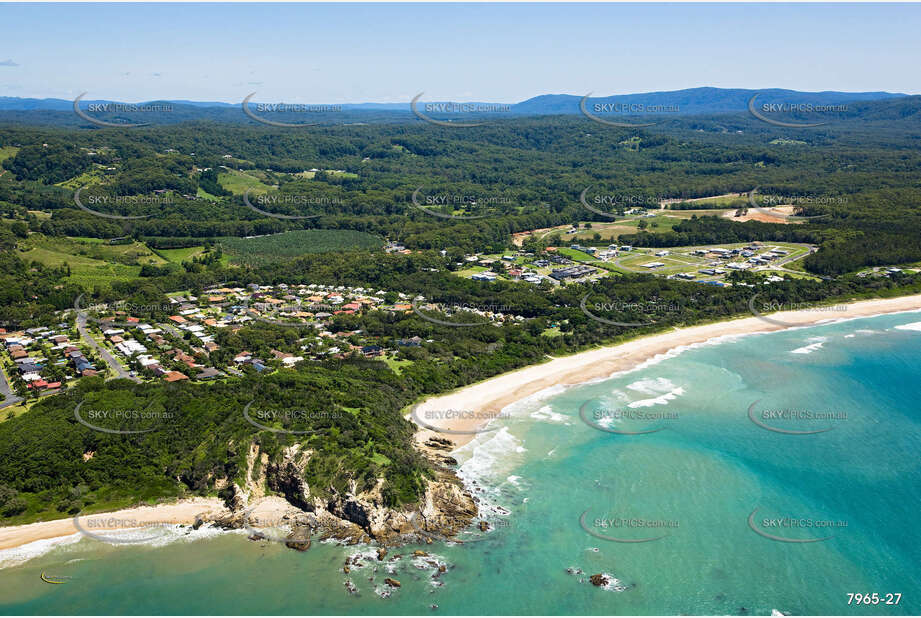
(94, 176)
(8, 151)
(397, 365)
(609, 231)
(721, 201)
(340, 174)
(682, 259)
(85, 272)
(204, 194)
(92, 261)
(267, 249)
(238, 182)
(178, 256)
(575, 254)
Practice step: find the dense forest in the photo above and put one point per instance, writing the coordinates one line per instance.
(526, 174)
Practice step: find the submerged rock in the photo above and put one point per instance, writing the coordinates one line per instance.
(393, 583)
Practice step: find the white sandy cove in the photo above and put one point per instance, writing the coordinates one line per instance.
(486, 399)
(266, 513)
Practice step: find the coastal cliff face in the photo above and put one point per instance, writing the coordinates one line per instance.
(352, 516)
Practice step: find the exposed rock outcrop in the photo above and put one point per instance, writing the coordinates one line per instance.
(599, 579)
(353, 516)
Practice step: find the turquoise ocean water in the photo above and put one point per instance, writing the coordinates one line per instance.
(852, 490)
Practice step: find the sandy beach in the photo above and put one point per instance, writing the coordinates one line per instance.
(484, 400)
(269, 509)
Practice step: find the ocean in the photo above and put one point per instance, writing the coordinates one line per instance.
(765, 472)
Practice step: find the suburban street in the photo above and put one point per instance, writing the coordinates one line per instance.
(107, 356)
(10, 399)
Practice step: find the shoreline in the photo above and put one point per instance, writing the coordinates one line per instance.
(487, 399)
(483, 401)
(181, 512)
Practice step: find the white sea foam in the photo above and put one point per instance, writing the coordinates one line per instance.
(138, 537)
(651, 386)
(661, 389)
(816, 343)
(18, 555)
(913, 326)
(546, 413)
(661, 400)
(488, 455)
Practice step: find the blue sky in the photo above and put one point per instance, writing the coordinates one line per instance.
(319, 53)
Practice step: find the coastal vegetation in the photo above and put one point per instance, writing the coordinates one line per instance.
(196, 232)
